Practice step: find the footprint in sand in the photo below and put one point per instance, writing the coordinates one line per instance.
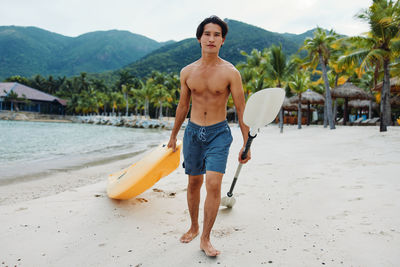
(225, 231)
(170, 194)
(141, 200)
(157, 190)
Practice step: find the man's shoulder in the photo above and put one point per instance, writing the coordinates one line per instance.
(229, 67)
(190, 66)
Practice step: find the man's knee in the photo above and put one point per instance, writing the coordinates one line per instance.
(195, 182)
(213, 182)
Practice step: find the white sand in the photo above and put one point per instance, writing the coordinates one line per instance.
(310, 197)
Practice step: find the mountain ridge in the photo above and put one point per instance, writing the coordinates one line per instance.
(28, 50)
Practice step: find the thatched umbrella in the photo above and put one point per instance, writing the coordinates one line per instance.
(394, 85)
(362, 105)
(308, 97)
(288, 106)
(395, 101)
(349, 91)
(293, 107)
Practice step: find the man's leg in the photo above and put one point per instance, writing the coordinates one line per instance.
(211, 206)
(193, 200)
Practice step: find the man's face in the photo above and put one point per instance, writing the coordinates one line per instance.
(211, 40)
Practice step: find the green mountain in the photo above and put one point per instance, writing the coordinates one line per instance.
(241, 36)
(27, 51)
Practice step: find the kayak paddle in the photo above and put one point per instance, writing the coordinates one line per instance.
(261, 109)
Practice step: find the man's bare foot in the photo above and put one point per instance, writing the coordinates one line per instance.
(189, 236)
(208, 248)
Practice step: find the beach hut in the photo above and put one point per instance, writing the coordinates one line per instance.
(309, 97)
(349, 91)
(16, 96)
(395, 101)
(288, 105)
(394, 85)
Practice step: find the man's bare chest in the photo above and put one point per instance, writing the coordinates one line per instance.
(208, 82)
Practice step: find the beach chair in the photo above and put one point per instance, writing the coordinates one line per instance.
(357, 121)
(365, 122)
(340, 122)
(373, 121)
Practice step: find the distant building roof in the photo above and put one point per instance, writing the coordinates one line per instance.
(30, 93)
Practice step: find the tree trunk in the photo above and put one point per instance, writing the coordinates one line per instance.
(161, 115)
(335, 111)
(345, 111)
(328, 98)
(386, 119)
(146, 109)
(280, 111)
(126, 104)
(299, 113)
(370, 110)
(308, 113)
(325, 117)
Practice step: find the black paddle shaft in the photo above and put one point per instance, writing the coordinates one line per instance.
(248, 144)
(243, 156)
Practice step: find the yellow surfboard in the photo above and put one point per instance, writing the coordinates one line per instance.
(143, 174)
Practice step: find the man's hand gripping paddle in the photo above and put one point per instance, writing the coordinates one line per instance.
(261, 109)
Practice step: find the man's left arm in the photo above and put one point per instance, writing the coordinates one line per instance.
(236, 88)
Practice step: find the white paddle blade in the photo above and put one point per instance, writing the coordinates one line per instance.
(262, 107)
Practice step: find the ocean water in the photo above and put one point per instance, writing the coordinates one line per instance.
(28, 148)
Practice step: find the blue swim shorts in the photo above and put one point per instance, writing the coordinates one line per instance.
(206, 148)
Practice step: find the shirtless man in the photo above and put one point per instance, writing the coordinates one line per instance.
(208, 83)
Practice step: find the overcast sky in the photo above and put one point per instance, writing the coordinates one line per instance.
(164, 20)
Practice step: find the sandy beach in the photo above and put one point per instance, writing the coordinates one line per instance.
(310, 197)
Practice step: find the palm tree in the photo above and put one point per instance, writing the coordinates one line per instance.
(278, 69)
(103, 100)
(299, 83)
(379, 48)
(146, 93)
(116, 100)
(253, 71)
(81, 82)
(125, 90)
(173, 86)
(319, 52)
(367, 83)
(160, 98)
(13, 98)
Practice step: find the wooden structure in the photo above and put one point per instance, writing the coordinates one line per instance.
(19, 97)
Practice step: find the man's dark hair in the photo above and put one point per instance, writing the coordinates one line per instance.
(214, 20)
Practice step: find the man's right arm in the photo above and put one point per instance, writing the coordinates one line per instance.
(182, 109)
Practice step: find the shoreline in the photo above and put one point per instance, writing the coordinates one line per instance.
(308, 197)
(11, 179)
